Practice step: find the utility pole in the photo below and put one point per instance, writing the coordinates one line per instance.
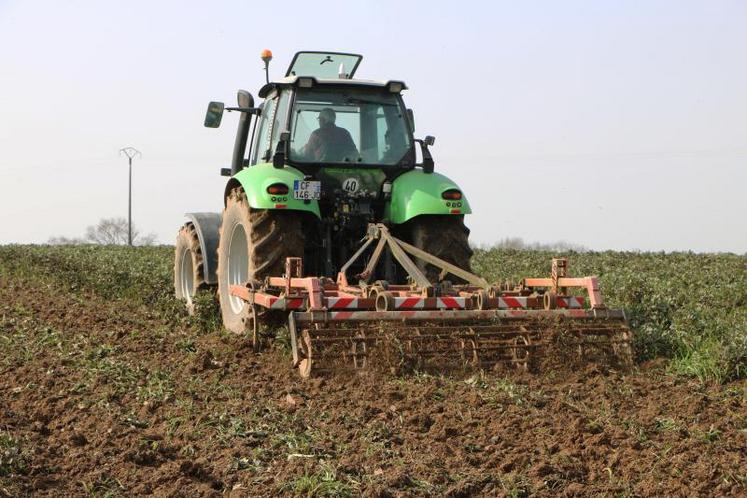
(130, 152)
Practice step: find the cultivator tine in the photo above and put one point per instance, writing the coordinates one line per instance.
(607, 341)
(434, 346)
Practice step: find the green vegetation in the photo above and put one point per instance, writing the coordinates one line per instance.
(140, 274)
(13, 459)
(691, 308)
(324, 482)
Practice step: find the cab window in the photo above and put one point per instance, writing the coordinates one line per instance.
(262, 138)
(279, 120)
(352, 125)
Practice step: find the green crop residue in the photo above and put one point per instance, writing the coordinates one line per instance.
(690, 308)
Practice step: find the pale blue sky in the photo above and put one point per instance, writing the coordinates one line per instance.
(611, 124)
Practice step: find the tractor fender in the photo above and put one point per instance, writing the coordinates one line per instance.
(415, 193)
(255, 180)
(208, 231)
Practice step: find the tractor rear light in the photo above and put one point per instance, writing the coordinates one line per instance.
(277, 189)
(452, 195)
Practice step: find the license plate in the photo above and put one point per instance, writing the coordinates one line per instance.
(307, 190)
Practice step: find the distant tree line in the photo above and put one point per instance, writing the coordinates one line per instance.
(113, 231)
(517, 243)
(108, 231)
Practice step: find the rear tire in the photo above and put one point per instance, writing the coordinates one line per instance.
(254, 244)
(189, 271)
(443, 236)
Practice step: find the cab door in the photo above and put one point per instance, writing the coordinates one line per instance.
(273, 122)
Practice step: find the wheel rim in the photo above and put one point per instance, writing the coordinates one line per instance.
(238, 265)
(187, 276)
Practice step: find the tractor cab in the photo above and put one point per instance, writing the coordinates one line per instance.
(317, 116)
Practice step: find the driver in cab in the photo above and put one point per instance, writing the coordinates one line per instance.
(330, 142)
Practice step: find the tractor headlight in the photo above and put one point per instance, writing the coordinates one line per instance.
(395, 86)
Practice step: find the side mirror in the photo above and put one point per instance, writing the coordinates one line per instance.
(429, 140)
(214, 114)
(278, 159)
(411, 117)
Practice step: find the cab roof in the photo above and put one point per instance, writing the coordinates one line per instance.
(292, 81)
(324, 69)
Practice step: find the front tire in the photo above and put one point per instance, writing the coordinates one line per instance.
(443, 236)
(189, 271)
(254, 244)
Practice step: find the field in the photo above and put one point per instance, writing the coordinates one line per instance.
(107, 388)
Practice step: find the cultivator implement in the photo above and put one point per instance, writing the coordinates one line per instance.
(335, 325)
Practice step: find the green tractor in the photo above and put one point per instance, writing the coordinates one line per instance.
(331, 222)
(319, 160)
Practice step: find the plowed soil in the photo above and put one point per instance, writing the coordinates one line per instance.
(106, 398)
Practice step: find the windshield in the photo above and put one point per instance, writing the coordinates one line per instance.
(350, 125)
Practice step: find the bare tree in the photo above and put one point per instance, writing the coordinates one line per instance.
(65, 241)
(113, 231)
(108, 231)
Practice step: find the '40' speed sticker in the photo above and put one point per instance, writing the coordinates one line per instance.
(351, 185)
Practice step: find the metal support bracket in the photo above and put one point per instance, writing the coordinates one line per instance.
(400, 250)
